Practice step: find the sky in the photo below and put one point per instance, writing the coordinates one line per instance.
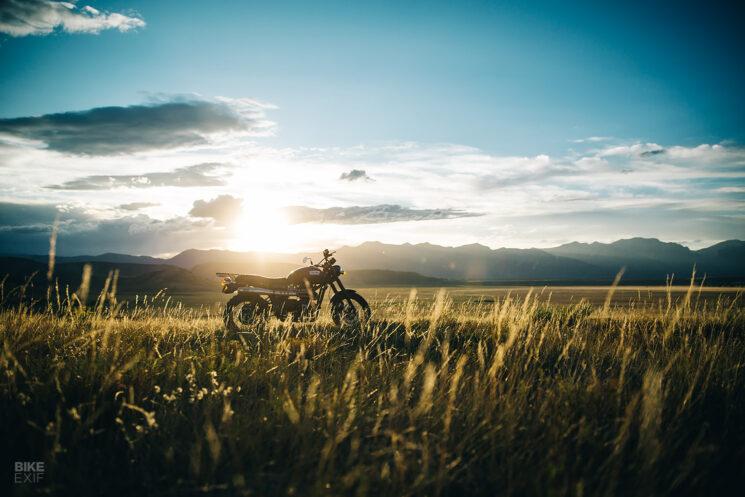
(153, 127)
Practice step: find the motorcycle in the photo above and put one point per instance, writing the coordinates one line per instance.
(299, 295)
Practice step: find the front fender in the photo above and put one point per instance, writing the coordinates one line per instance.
(342, 295)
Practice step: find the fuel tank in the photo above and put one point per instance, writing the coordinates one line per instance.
(313, 274)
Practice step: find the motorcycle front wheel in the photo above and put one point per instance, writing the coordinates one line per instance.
(244, 310)
(345, 314)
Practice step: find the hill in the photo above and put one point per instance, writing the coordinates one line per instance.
(133, 278)
(383, 278)
(647, 260)
(171, 279)
(107, 257)
(270, 269)
(466, 263)
(148, 279)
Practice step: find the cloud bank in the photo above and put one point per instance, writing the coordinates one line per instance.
(374, 214)
(25, 229)
(41, 17)
(191, 176)
(136, 128)
(108, 161)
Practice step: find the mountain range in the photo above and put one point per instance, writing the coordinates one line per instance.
(647, 260)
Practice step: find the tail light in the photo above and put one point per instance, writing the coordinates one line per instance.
(228, 286)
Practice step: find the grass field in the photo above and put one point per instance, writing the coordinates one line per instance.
(473, 391)
(638, 297)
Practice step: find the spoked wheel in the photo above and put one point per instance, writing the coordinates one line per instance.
(349, 314)
(242, 311)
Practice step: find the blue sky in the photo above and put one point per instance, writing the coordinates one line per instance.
(493, 87)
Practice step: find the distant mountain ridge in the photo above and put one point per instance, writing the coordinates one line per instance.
(649, 257)
(133, 278)
(107, 257)
(645, 259)
(148, 279)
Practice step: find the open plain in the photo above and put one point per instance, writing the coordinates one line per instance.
(441, 393)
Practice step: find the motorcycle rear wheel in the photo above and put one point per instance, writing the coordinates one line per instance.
(244, 310)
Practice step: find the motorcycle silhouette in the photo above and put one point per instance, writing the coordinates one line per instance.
(298, 295)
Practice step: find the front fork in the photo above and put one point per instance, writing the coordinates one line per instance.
(318, 299)
(342, 289)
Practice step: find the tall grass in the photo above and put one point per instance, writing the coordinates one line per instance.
(512, 397)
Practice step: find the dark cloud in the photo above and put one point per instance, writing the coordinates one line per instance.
(135, 206)
(223, 209)
(12, 214)
(354, 175)
(651, 153)
(25, 229)
(41, 17)
(124, 130)
(369, 215)
(191, 176)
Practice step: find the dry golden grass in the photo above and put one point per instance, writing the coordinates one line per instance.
(432, 397)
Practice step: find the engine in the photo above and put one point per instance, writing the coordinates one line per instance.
(296, 307)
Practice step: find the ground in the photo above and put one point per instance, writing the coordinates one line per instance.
(462, 391)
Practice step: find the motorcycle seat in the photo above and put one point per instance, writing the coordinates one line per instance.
(261, 281)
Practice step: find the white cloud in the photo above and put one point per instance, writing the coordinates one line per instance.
(593, 139)
(678, 193)
(732, 189)
(41, 17)
(198, 175)
(633, 150)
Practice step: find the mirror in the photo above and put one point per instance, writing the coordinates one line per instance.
(305, 259)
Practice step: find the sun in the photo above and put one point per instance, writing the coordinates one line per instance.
(262, 229)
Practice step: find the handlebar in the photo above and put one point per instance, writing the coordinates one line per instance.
(327, 254)
(327, 259)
